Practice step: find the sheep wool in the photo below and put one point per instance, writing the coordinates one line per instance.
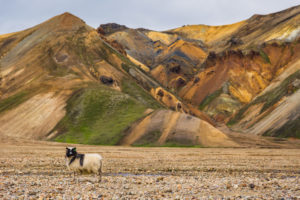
(90, 163)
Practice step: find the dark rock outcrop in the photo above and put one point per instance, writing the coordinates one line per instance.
(106, 80)
(110, 28)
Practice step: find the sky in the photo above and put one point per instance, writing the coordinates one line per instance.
(16, 15)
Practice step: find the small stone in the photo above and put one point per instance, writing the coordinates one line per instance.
(32, 193)
(252, 186)
(131, 193)
(243, 185)
(159, 179)
(179, 187)
(228, 186)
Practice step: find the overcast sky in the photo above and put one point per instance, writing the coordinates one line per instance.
(16, 15)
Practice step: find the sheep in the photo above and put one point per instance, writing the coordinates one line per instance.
(90, 163)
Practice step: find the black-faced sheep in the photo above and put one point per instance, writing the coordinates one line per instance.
(90, 163)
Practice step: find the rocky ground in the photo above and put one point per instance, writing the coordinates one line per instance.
(36, 170)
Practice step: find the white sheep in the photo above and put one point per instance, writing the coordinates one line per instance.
(90, 163)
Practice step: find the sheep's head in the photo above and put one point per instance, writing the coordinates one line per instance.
(71, 151)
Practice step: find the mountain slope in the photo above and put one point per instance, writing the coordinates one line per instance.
(221, 69)
(42, 67)
(275, 111)
(62, 80)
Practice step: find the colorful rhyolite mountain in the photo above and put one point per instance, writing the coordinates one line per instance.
(63, 80)
(245, 75)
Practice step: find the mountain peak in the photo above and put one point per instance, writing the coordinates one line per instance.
(66, 21)
(67, 14)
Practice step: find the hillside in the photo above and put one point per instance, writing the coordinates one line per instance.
(62, 80)
(226, 70)
(59, 77)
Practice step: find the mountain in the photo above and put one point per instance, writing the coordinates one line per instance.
(196, 85)
(245, 75)
(62, 80)
(51, 75)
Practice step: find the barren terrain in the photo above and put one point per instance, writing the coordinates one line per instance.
(32, 170)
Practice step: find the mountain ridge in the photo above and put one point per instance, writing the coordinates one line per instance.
(239, 60)
(63, 80)
(81, 78)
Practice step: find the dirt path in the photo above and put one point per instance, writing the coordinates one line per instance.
(36, 170)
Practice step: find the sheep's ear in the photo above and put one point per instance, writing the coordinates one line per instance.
(66, 147)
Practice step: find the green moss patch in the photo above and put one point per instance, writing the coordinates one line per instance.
(131, 88)
(209, 98)
(264, 56)
(98, 115)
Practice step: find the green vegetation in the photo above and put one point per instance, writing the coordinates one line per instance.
(98, 115)
(209, 98)
(131, 88)
(269, 98)
(223, 104)
(125, 67)
(14, 100)
(290, 129)
(264, 56)
(273, 96)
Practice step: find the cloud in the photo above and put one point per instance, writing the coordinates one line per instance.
(153, 14)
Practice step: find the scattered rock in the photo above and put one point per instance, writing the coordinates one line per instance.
(176, 69)
(106, 80)
(32, 193)
(168, 191)
(228, 186)
(192, 180)
(196, 80)
(159, 179)
(160, 93)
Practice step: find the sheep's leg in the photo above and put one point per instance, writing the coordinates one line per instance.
(100, 172)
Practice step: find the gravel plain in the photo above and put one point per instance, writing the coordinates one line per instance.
(36, 170)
